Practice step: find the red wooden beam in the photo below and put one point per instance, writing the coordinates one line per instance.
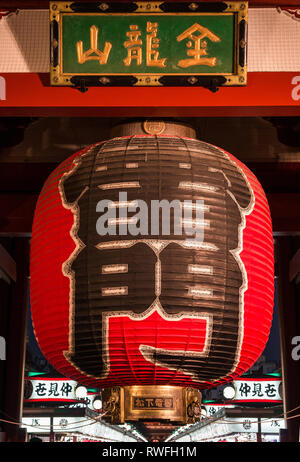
(266, 94)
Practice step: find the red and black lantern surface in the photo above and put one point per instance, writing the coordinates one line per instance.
(150, 307)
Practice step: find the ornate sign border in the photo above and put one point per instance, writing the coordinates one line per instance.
(81, 81)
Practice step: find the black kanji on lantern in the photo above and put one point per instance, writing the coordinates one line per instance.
(125, 273)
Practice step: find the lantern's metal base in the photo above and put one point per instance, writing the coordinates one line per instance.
(143, 402)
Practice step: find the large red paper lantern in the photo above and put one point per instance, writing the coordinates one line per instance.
(156, 308)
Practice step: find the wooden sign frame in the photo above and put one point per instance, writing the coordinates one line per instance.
(118, 44)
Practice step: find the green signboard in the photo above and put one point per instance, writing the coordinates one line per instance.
(148, 43)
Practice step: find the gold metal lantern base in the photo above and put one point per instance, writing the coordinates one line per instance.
(153, 402)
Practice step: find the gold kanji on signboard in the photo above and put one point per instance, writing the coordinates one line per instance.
(133, 45)
(199, 52)
(93, 53)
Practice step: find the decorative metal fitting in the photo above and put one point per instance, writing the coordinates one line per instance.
(104, 80)
(192, 80)
(193, 6)
(103, 6)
